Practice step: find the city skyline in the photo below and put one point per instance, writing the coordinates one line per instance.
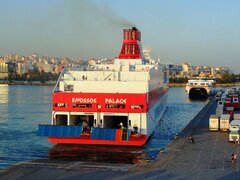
(202, 33)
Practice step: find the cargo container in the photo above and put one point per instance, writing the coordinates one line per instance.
(224, 122)
(213, 123)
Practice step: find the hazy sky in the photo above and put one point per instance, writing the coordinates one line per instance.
(201, 32)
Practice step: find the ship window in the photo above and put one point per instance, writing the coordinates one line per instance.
(135, 106)
(82, 105)
(60, 104)
(117, 106)
(68, 87)
(60, 120)
(77, 120)
(191, 83)
(202, 83)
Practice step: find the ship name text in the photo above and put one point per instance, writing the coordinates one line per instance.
(84, 100)
(115, 101)
(94, 100)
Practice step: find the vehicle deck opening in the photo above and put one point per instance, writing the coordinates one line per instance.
(114, 121)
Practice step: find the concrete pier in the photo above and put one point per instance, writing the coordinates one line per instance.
(208, 158)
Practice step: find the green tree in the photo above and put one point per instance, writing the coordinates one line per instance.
(227, 78)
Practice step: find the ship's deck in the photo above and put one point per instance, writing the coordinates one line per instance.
(209, 157)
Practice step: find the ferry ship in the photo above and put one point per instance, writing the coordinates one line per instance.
(118, 103)
(201, 88)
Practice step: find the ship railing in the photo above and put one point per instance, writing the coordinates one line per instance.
(90, 68)
(64, 70)
(107, 75)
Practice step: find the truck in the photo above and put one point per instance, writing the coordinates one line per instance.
(219, 112)
(218, 96)
(219, 109)
(230, 111)
(213, 123)
(234, 136)
(224, 122)
(235, 125)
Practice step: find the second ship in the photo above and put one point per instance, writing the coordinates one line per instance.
(109, 104)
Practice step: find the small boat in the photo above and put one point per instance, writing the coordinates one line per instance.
(201, 88)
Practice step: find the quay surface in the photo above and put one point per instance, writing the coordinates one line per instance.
(209, 157)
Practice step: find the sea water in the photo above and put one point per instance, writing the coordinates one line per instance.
(22, 108)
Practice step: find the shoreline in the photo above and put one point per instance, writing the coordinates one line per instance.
(53, 83)
(218, 85)
(39, 83)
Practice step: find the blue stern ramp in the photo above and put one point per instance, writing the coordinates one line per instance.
(59, 131)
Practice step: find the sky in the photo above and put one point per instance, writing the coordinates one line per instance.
(199, 32)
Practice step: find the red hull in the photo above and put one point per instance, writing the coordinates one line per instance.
(133, 141)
